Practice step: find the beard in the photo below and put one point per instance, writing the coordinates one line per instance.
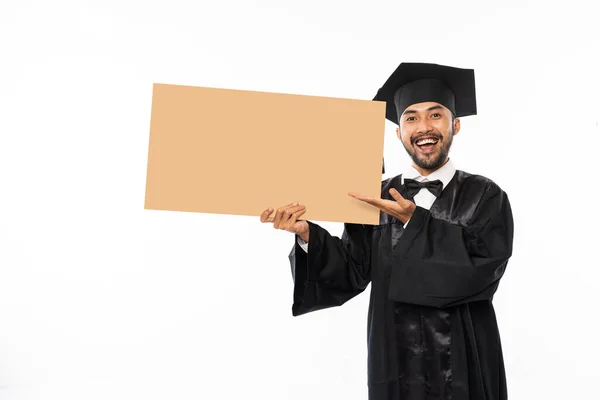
(431, 161)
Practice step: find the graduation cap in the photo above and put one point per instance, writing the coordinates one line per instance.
(413, 83)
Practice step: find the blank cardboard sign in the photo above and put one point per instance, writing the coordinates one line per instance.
(237, 152)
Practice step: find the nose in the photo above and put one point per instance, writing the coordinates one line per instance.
(423, 126)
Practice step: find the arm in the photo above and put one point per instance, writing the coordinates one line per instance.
(442, 264)
(333, 270)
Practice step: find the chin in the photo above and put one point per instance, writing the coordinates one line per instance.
(432, 162)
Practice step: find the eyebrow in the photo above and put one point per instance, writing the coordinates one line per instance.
(429, 109)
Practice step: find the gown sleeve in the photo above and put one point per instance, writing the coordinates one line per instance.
(442, 264)
(333, 271)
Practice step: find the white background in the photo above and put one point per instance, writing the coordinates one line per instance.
(100, 299)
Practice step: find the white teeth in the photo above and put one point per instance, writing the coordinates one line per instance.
(426, 141)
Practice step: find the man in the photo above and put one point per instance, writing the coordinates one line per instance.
(434, 261)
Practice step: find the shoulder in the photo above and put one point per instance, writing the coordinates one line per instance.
(481, 194)
(476, 182)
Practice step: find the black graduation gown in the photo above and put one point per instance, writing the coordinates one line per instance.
(432, 331)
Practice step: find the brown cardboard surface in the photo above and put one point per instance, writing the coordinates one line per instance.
(226, 151)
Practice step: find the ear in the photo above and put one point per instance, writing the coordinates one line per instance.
(456, 126)
(398, 133)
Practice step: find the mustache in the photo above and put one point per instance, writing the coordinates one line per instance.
(434, 135)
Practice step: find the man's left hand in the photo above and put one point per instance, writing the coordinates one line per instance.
(401, 209)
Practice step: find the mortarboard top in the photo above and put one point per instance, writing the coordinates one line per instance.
(413, 83)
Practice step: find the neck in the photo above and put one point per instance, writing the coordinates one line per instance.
(426, 172)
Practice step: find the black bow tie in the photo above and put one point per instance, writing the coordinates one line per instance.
(435, 187)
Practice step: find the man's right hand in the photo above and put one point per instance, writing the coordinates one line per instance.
(286, 218)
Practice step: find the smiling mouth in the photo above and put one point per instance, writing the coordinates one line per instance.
(426, 141)
(426, 145)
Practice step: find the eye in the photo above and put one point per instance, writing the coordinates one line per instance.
(410, 118)
(436, 115)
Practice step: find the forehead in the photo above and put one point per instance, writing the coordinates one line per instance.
(424, 107)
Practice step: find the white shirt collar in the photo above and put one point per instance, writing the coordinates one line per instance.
(445, 174)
